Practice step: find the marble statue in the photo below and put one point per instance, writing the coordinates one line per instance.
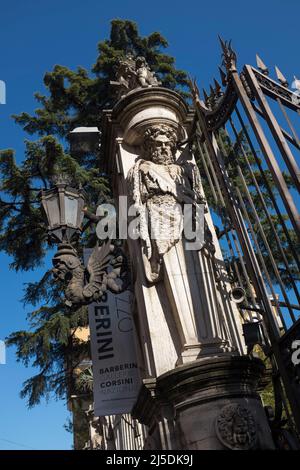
(145, 76)
(132, 73)
(159, 187)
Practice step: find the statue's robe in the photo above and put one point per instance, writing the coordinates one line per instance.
(159, 193)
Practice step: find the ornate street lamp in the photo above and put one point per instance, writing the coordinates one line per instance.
(63, 206)
(106, 268)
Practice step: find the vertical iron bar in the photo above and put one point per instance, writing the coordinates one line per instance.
(265, 241)
(267, 184)
(235, 241)
(260, 255)
(288, 121)
(268, 153)
(234, 262)
(214, 175)
(226, 234)
(274, 128)
(266, 211)
(207, 172)
(247, 279)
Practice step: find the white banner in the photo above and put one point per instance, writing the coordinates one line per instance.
(115, 369)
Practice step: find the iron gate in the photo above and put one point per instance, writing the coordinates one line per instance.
(245, 138)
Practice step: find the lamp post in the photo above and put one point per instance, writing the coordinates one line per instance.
(107, 267)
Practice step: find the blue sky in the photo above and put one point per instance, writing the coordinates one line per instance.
(34, 36)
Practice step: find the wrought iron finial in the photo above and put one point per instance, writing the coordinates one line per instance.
(212, 91)
(262, 67)
(228, 55)
(222, 42)
(223, 76)
(193, 87)
(280, 77)
(218, 88)
(212, 96)
(206, 98)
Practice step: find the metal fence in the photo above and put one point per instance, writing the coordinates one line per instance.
(245, 138)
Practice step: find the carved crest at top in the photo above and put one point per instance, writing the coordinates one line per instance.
(133, 73)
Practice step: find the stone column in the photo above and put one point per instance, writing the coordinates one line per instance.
(186, 320)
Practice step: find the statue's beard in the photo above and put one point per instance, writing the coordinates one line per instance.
(164, 156)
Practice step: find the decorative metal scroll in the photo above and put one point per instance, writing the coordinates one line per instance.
(274, 90)
(222, 110)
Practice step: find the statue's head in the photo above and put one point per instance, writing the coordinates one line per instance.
(160, 144)
(140, 62)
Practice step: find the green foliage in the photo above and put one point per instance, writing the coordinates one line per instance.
(72, 99)
(84, 382)
(50, 344)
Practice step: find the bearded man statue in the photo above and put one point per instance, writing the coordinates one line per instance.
(160, 186)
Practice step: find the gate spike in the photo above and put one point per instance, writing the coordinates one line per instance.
(192, 83)
(262, 67)
(206, 100)
(223, 76)
(218, 88)
(212, 96)
(281, 78)
(222, 42)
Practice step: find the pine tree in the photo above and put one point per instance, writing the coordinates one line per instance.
(72, 99)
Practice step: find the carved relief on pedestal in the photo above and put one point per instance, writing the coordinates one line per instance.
(236, 428)
(159, 187)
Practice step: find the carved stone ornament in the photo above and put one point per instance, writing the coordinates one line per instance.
(236, 428)
(106, 270)
(160, 186)
(133, 73)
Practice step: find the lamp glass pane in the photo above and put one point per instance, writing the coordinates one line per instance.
(81, 205)
(71, 207)
(53, 212)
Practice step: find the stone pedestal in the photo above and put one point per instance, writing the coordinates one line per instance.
(210, 404)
